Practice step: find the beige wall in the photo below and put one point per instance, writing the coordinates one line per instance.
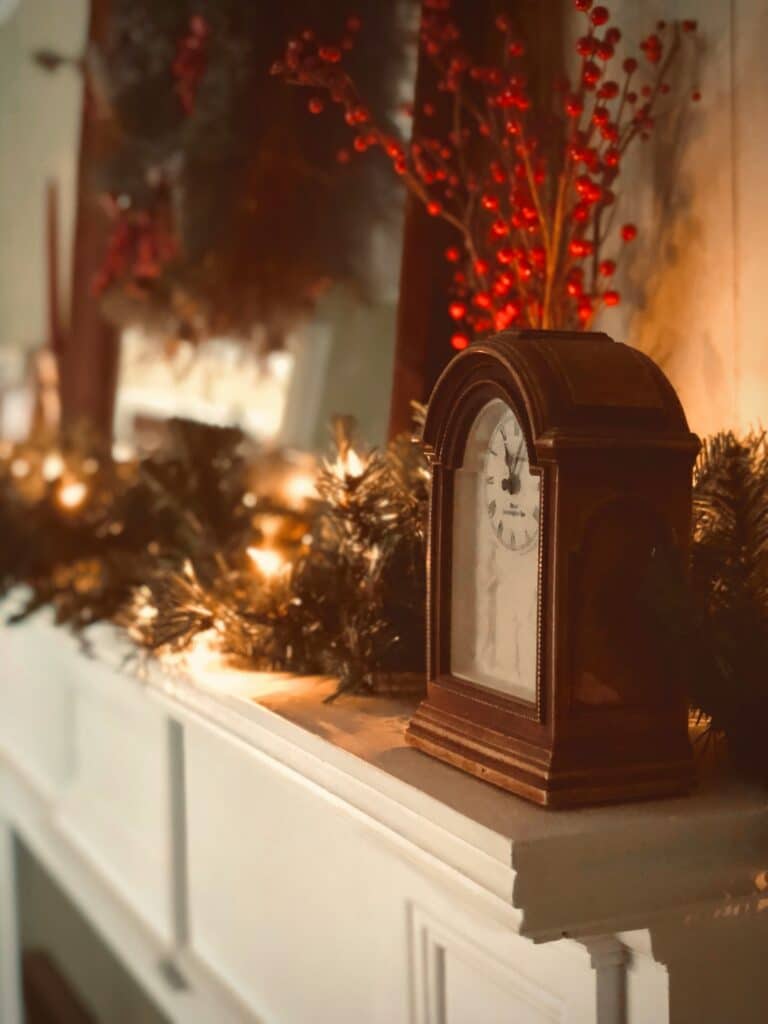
(696, 289)
(39, 124)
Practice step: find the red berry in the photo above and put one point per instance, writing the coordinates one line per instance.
(360, 143)
(457, 310)
(600, 15)
(630, 65)
(607, 268)
(434, 208)
(612, 157)
(482, 299)
(582, 5)
(516, 49)
(629, 232)
(330, 54)
(580, 213)
(580, 247)
(343, 156)
(452, 254)
(611, 298)
(585, 46)
(481, 267)
(591, 74)
(608, 90)
(585, 309)
(459, 341)
(573, 106)
(612, 36)
(316, 105)
(490, 201)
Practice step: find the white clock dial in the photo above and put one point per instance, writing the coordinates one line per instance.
(511, 490)
(495, 558)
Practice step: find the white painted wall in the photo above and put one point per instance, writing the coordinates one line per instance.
(694, 289)
(39, 129)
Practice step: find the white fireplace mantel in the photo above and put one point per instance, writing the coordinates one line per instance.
(254, 854)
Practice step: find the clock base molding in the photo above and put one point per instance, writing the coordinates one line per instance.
(521, 769)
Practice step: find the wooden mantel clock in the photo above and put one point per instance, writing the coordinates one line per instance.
(562, 467)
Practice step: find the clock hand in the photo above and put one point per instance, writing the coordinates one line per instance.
(519, 452)
(512, 484)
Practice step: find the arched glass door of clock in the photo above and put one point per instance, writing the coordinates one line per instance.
(495, 558)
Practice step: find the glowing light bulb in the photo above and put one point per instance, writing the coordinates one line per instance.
(122, 451)
(348, 465)
(299, 489)
(354, 464)
(147, 613)
(72, 494)
(269, 527)
(53, 466)
(268, 561)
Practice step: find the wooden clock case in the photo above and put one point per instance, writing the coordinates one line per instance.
(606, 431)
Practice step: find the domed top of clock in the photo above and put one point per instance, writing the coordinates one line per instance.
(572, 386)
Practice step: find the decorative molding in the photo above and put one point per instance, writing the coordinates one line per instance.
(609, 958)
(10, 953)
(433, 944)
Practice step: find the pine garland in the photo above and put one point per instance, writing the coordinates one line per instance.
(713, 623)
(164, 547)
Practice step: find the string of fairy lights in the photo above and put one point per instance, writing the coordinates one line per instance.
(270, 559)
(210, 549)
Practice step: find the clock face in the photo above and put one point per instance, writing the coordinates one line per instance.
(495, 558)
(511, 491)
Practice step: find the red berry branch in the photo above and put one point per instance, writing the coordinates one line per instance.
(141, 243)
(533, 218)
(191, 61)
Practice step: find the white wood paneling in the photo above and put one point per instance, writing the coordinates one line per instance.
(10, 973)
(693, 289)
(303, 865)
(118, 804)
(467, 970)
(37, 701)
(749, 27)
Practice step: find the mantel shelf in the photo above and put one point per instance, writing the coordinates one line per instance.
(221, 817)
(634, 860)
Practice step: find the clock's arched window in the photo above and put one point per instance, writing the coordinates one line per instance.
(495, 563)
